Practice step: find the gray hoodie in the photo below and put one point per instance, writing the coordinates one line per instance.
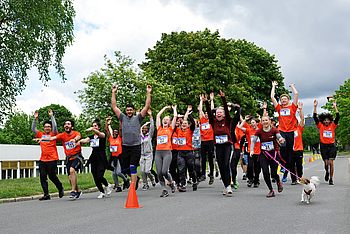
(146, 140)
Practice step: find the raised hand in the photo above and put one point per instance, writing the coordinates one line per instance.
(50, 112)
(203, 97)
(114, 88)
(174, 107)
(189, 108)
(36, 114)
(109, 120)
(334, 105)
(315, 103)
(300, 105)
(221, 93)
(264, 105)
(149, 89)
(211, 96)
(274, 83)
(149, 112)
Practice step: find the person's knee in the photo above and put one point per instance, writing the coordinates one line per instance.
(72, 171)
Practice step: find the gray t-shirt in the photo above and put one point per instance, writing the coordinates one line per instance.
(131, 129)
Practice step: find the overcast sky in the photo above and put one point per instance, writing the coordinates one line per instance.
(310, 40)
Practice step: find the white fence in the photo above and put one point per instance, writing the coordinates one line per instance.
(21, 161)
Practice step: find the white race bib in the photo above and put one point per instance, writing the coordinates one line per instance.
(113, 148)
(70, 145)
(181, 141)
(162, 139)
(205, 126)
(285, 112)
(45, 138)
(267, 146)
(196, 138)
(95, 142)
(327, 134)
(175, 141)
(221, 139)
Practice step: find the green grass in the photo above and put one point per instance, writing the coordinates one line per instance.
(13, 188)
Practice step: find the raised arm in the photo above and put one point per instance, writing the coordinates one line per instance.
(315, 112)
(151, 127)
(301, 114)
(159, 115)
(337, 116)
(97, 132)
(188, 112)
(207, 107)
(53, 122)
(173, 122)
(36, 115)
(200, 107)
(272, 95)
(115, 109)
(224, 102)
(295, 94)
(108, 128)
(211, 96)
(264, 107)
(240, 126)
(148, 101)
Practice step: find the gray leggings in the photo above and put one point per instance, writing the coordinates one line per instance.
(163, 160)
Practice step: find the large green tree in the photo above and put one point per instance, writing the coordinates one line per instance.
(342, 98)
(32, 32)
(17, 130)
(96, 96)
(198, 62)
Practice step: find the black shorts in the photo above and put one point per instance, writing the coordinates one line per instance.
(76, 163)
(131, 155)
(328, 151)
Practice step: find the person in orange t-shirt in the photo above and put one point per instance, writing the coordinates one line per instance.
(185, 158)
(49, 155)
(207, 143)
(74, 159)
(297, 160)
(163, 155)
(287, 122)
(326, 125)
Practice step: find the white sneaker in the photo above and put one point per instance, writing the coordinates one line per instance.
(224, 192)
(229, 191)
(102, 195)
(109, 189)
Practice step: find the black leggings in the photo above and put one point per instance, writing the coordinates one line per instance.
(223, 154)
(265, 163)
(98, 168)
(174, 172)
(49, 169)
(297, 164)
(234, 162)
(287, 149)
(185, 161)
(207, 152)
(254, 168)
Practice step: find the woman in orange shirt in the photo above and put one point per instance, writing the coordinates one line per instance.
(326, 125)
(163, 154)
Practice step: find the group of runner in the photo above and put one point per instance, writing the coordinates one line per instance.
(184, 145)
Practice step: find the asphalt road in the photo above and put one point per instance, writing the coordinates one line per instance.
(203, 211)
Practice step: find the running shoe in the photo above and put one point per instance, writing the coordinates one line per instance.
(78, 194)
(61, 193)
(216, 174)
(284, 179)
(211, 180)
(194, 186)
(164, 193)
(256, 185)
(118, 189)
(244, 177)
(326, 177)
(153, 184)
(145, 187)
(250, 183)
(172, 186)
(72, 194)
(229, 191)
(203, 178)
(271, 194)
(101, 195)
(331, 181)
(189, 181)
(224, 192)
(273, 180)
(126, 184)
(279, 187)
(44, 198)
(294, 182)
(108, 189)
(137, 183)
(182, 189)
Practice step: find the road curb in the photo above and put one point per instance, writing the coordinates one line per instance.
(36, 197)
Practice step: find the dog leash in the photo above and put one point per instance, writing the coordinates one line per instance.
(266, 153)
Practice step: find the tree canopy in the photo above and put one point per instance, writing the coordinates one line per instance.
(32, 32)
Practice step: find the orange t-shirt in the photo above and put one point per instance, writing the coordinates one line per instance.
(250, 132)
(164, 138)
(48, 148)
(207, 133)
(184, 139)
(286, 118)
(70, 148)
(298, 139)
(327, 133)
(174, 140)
(239, 134)
(115, 146)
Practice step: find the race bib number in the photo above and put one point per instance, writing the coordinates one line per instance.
(162, 140)
(196, 138)
(296, 134)
(113, 148)
(95, 142)
(327, 134)
(70, 145)
(267, 146)
(175, 141)
(205, 126)
(45, 138)
(285, 112)
(181, 141)
(221, 139)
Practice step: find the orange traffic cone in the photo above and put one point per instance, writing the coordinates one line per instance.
(310, 159)
(132, 200)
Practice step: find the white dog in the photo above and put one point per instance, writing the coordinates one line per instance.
(309, 188)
